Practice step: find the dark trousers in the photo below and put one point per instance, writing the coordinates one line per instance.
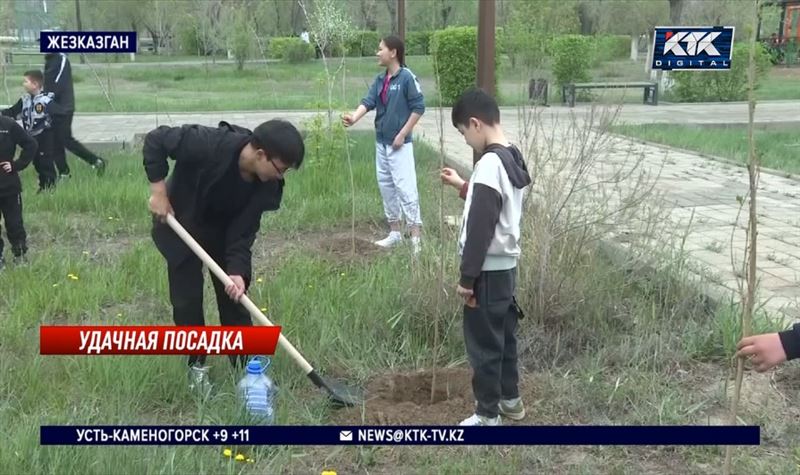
(490, 340)
(63, 139)
(11, 209)
(186, 294)
(43, 162)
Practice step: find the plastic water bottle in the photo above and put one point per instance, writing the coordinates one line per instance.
(257, 391)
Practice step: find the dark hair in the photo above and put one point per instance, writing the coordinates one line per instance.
(395, 43)
(35, 75)
(280, 139)
(475, 102)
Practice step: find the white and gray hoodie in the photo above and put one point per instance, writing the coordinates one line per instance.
(490, 229)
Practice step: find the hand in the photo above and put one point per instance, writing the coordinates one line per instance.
(236, 290)
(399, 141)
(160, 206)
(468, 296)
(765, 351)
(348, 120)
(451, 177)
(6, 166)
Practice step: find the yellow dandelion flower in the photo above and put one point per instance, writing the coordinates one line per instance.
(119, 314)
(250, 461)
(328, 472)
(259, 280)
(227, 453)
(111, 218)
(342, 274)
(72, 276)
(263, 309)
(85, 253)
(55, 285)
(239, 458)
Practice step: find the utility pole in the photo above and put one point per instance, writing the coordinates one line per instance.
(401, 19)
(486, 24)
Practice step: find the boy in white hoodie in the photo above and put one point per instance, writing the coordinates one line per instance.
(489, 248)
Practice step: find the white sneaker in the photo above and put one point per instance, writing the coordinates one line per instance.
(416, 244)
(476, 420)
(512, 409)
(391, 240)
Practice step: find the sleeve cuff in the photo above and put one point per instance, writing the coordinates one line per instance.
(790, 339)
(467, 282)
(463, 192)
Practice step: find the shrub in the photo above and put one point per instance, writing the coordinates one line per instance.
(455, 53)
(723, 86)
(291, 49)
(611, 48)
(363, 43)
(418, 43)
(571, 58)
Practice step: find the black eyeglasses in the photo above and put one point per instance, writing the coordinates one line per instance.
(281, 173)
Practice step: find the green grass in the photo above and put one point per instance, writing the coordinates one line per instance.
(779, 148)
(631, 353)
(207, 86)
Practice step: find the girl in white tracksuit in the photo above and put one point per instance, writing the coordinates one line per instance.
(397, 99)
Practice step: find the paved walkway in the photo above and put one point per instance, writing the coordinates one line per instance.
(687, 184)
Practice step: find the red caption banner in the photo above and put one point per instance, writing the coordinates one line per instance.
(157, 340)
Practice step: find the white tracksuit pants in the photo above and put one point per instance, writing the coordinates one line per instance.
(397, 180)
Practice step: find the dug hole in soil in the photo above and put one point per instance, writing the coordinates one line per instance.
(405, 399)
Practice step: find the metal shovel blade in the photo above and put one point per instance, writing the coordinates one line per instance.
(339, 393)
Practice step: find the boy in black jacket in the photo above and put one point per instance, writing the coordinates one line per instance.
(11, 137)
(58, 80)
(489, 248)
(223, 180)
(36, 109)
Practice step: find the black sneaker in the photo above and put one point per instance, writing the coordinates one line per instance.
(100, 166)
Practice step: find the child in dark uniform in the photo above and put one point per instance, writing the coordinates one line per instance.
(11, 137)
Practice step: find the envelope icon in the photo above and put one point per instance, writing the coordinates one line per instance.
(345, 435)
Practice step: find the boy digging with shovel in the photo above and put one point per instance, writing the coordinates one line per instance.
(223, 180)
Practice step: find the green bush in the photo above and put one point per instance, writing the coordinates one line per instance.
(611, 48)
(455, 53)
(722, 86)
(291, 49)
(571, 58)
(418, 43)
(363, 43)
(188, 42)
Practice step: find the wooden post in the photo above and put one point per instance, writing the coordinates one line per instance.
(486, 23)
(486, 79)
(401, 19)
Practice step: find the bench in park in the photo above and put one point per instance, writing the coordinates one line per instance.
(650, 89)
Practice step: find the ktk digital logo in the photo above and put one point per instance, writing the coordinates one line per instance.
(693, 48)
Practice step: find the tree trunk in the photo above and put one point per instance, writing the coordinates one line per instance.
(675, 11)
(392, 4)
(368, 14)
(445, 13)
(277, 17)
(586, 19)
(634, 47)
(78, 24)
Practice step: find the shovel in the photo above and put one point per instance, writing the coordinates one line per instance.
(340, 394)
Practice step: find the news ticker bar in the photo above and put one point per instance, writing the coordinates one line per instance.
(400, 435)
(157, 340)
